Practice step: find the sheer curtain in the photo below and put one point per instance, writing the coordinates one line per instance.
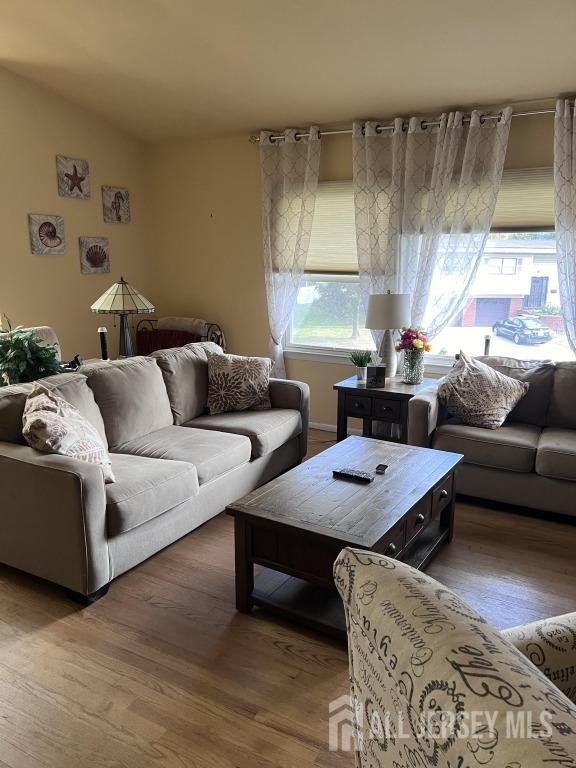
(424, 197)
(289, 169)
(565, 211)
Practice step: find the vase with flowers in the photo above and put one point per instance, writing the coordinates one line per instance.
(413, 343)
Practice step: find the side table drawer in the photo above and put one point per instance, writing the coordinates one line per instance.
(442, 495)
(388, 410)
(359, 406)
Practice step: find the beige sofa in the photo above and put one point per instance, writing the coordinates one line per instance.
(175, 467)
(433, 684)
(531, 460)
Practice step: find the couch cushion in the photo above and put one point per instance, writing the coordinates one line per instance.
(185, 372)
(512, 446)
(267, 430)
(212, 454)
(533, 407)
(12, 402)
(131, 396)
(71, 386)
(562, 410)
(144, 489)
(556, 455)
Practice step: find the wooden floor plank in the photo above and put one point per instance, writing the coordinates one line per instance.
(164, 672)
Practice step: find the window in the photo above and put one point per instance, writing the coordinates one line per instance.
(502, 266)
(328, 312)
(514, 298)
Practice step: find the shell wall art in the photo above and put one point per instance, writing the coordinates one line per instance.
(46, 233)
(116, 205)
(94, 255)
(73, 177)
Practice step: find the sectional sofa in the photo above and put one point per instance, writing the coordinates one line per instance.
(175, 466)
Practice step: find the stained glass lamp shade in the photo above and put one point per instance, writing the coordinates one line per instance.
(121, 299)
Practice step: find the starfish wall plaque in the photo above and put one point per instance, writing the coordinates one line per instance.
(73, 177)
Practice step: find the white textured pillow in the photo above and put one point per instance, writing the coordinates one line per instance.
(478, 394)
(51, 424)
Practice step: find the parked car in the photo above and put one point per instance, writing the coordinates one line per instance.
(523, 329)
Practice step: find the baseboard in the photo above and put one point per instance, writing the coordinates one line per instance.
(331, 428)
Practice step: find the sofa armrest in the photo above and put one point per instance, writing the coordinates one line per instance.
(424, 414)
(550, 645)
(285, 393)
(53, 518)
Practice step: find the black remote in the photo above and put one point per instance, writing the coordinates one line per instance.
(353, 474)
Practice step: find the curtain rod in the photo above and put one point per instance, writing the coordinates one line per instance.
(390, 126)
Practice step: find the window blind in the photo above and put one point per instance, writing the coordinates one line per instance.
(525, 201)
(333, 238)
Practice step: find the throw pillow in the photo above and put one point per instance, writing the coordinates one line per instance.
(51, 424)
(532, 408)
(479, 395)
(237, 383)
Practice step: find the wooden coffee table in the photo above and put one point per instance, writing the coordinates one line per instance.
(295, 526)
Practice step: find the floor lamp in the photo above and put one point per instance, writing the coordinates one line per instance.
(387, 312)
(121, 299)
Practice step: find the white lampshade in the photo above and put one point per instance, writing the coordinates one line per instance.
(387, 311)
(122, 299)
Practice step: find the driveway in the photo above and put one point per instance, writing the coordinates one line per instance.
(471, 340)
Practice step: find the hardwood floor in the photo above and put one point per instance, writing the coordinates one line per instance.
(164, 672)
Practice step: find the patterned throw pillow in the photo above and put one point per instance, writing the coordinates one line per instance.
(51, 424)
(237, 383)
(478, 394)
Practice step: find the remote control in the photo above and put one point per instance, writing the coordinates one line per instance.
(353, 474)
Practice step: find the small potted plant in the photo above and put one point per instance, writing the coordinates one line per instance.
(23, 356)
(413, 343)
(361, 359)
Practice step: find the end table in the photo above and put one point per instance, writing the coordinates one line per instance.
(388, 404)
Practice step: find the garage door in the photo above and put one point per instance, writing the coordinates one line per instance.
(488, 311)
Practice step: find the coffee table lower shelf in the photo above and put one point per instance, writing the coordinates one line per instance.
(320, 607)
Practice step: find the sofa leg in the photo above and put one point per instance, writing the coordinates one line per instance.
(86, 600)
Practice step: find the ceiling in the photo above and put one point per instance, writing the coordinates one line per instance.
(167, 69)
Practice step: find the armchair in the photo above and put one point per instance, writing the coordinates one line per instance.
(433, 684)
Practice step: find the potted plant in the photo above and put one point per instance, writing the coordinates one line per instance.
(361, 359)
(24, 357)
(413, 343)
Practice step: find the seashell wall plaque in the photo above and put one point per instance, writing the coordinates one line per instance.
(116, 205)
(94, 255)
(73, 177)
(46, 233)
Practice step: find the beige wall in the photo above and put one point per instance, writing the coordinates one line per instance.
(194, 246)
(50, 290)
(208, 256)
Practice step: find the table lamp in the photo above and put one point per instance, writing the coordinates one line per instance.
(121, 299)
(387, 312)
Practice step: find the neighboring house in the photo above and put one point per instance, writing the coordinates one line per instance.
(514, 276)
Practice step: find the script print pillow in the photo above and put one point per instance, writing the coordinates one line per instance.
(52, 425)
(479, 395)
(238, 383)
